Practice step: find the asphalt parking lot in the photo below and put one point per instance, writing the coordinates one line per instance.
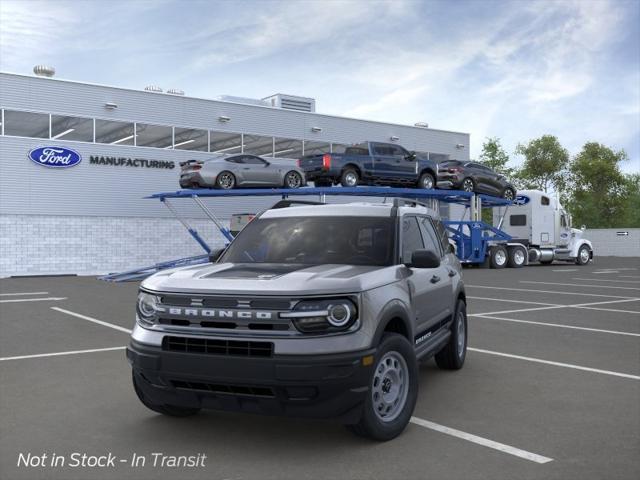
(551, 389)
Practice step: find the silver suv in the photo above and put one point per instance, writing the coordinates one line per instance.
(316, 310)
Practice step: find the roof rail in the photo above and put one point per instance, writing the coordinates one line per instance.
(288, 203)
(402, 202)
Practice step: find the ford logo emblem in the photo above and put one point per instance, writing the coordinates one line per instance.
(55, 157)
(521, 200)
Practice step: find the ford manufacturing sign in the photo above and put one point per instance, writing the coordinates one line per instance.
(55, 157)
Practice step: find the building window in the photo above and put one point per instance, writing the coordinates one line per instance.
(316, 148)
(115, 133)
(225, 143)
(287, 148)
(71, 128)
(26, 124)
(157, 136)
(191, 139)
(258, 145)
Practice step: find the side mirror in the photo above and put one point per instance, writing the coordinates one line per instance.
(411, 156)
(214, 255)
(424, 259)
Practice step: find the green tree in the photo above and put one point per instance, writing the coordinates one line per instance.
(495, 157)
(545, 164)
(598, 192)
(630, 216)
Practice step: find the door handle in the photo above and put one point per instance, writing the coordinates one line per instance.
(452, 273)
(435, 279)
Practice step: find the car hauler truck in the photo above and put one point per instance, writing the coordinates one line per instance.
(539, 225)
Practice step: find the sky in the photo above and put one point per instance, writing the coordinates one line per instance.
(509, 69)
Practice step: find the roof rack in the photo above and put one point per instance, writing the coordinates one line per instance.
(289, 203)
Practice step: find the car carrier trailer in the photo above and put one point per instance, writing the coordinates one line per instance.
(475, 242)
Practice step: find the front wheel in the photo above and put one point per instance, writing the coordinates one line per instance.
(452, 356)
(393, 390)
(508, 194)
(426, 181)
(293, 180)
(584, 255)
(468, 185)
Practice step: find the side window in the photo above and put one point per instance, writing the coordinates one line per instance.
(517, 220)
(544, 201)
(253, 160)
(441, 233)
(430, 240)
(398, 151)
(235, 159)
(411, 238)
(383, 150)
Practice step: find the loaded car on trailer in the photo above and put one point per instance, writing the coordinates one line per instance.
(371, 163)
(474, 177)
(314, 310)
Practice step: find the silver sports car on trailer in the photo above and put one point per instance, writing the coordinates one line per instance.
(242, 170)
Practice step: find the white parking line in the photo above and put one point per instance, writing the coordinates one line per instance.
(580, 285)
(607, 280)
(528, 290)
(512, 301)
(555, 364)
(47, 299)
(588, 306)
(559, 325)
(23, 293)
(485, 442)
(57, 354)
(90, 319)
(605, 272)
(567, 270)
(629, 276)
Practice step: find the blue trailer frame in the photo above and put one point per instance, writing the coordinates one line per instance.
(471, 247)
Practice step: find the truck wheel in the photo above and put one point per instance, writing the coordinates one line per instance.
(499, 257)
(517, 257)
(426, 181)
(452, 356)
(225, 180)
(170, 410)
(508, 194)
(393, 390)
(349, 178)
(584, 255)
(468, 185)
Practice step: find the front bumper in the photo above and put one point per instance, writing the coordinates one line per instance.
(449, 181)
(316, 386)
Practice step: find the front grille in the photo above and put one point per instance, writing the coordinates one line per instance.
(255, 391)
(218, 347)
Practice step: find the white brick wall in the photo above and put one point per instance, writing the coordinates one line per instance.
(607, 242)
(42, 245)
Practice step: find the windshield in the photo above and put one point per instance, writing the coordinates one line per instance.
(314, 241)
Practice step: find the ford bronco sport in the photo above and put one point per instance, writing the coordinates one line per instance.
(315, 310)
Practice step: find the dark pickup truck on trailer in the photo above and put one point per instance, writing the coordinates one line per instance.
(371, 163)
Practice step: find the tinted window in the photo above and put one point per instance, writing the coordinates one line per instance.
(115, 133)
(383, 149)
(314, 241)
(157, 136)
(544, 200)
(26, 124)
(238, 159)
(429, 235)
(411, 238)
(441, 233)
(357, 151)
(450, 163)
(518, 220)
(71, 128)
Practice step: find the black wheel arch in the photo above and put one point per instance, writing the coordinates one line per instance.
(396, 319)
(352, 166)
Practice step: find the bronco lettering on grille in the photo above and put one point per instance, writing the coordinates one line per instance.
(216, 313)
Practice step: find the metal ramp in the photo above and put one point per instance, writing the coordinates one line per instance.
(470, 246)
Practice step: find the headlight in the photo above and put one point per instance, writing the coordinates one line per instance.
(323, 316)
(146, 308)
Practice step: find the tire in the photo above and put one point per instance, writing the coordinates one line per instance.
(394, 390)
(517, 257)
(427, 181)
(170, 410)
(508, 194)
(499, 257)
(452, 356)
(468, 185)
(225, 180)
(292, 180)
(584, 255)
(349, 178)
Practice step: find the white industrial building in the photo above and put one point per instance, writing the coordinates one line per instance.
(92, 218)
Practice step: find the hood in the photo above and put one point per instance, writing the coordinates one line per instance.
(271, 279)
